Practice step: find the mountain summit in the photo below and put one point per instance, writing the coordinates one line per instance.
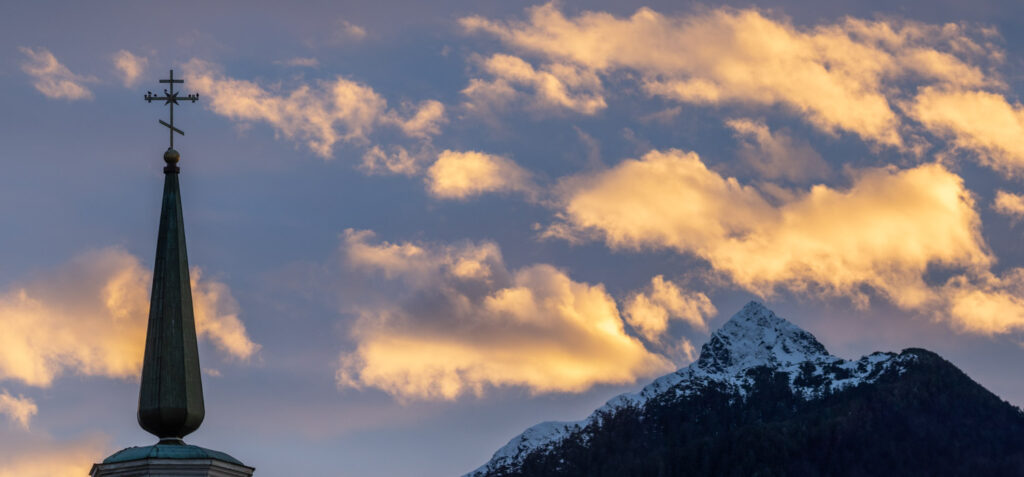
(765, 397)
(755, 336)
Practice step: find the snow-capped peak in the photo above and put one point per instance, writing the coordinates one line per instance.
(756, 336)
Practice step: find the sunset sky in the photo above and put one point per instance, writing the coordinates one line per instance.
(417, 228)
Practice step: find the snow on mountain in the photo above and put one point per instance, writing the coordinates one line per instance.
(754, 337)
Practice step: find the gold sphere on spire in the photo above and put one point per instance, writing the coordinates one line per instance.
(171, 157)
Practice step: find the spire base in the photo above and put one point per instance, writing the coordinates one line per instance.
(162, 460)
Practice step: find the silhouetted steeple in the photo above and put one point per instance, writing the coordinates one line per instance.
(171, 395)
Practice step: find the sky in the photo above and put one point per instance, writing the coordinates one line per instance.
(418, 228)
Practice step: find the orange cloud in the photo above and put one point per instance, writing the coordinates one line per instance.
(321, 115)
(649, 311)
(20, 409)
(398, 160)
(52, 78)
(216, 313)
(988, 305)
(836, 76)
(44, 457)
(667, 199)
(555, 86)
(886, 231)
(129, 66)
(776, 155)
(1007, 203)
(467, 323)
(90, 316)
(983, 122)
(345, 31)
(463, 174)
(299, 61)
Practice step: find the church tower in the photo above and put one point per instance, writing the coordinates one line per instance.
(171, 392)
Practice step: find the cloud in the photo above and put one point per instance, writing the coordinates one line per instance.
(836, 76)
(777, 155)
(345, 30)
(53, 79)
(43, 457)
(417, 265)
(666, 199)
(321, 115)
(463, 174)
(129, 66)
(649, 311)
(425, 121)
(20, 409)
(300, 61)
(486, 98)
(1007, 203)
(216, 313)
(983, 122)
(90, 315)
(886, 232)
(466, 323)
(989, 305)
(555, 86)
(398, 160)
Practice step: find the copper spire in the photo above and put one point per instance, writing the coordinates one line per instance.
(171, 393)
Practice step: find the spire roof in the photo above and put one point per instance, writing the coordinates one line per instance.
(171, 392)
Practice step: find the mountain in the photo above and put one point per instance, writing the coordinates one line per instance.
(765, 398)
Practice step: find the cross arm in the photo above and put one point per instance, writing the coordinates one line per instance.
(179, 131)
(151, 97)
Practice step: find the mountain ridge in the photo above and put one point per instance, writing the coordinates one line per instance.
(754, 352)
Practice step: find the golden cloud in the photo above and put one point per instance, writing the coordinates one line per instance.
(90, 317)
(321, 115)
(299, 61)
(463, 174)
(1007, 203)
(836, 76)
(667, 199)
(398, 160)
(986, 305)
(467, 323)
(555, 86)
(52, 78)
(886, 231)
(419, 266)
(44, 457)
(975, 120)
(346, 30)
(129, 66)
(20, 409)
(777, 155)
(649, 311)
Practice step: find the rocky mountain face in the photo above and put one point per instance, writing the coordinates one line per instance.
(765, 398)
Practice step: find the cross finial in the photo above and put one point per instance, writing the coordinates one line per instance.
(171, 98)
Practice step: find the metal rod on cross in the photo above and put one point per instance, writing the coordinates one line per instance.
(171, 98)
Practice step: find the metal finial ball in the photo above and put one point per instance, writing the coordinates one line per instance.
(171, 156)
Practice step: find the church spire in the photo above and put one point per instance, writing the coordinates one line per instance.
(171, 393)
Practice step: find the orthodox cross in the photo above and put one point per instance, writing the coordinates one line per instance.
(171, 98)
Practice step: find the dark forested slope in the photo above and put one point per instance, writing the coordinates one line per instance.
(766, 399)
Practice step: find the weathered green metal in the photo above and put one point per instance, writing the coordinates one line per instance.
(171, 394)
(164, 451)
